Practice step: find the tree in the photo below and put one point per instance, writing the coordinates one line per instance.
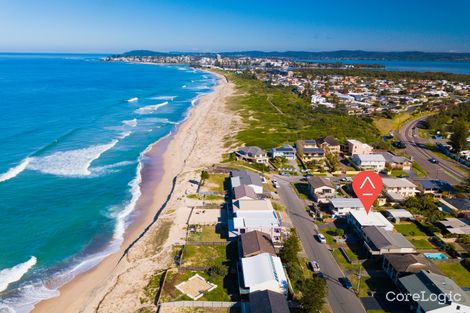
(218, 270)
(204, 175)
(291, 248)
(313, 295)
(458, 139)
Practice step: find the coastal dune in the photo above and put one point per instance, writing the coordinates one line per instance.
(117, 283)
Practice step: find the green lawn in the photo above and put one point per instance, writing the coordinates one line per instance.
(209, 233)
(204, 255)
(215, 182)
(456, 271)
(370, 284)
(385, 125)
(344, 263)
(170, 293)
(409, 229)
(419, 170)
(421, 243)
(302, 190)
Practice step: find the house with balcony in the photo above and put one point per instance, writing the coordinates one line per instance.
(321, 189)
(285, 151)
(308, 150)
(398, 189)
(252, 154)
(369, 162)
(356, 147)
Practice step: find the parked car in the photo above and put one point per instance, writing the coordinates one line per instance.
(320, 274)
(315, 266)
(345, 282)
(321, 238)
(399, 144)
(434, 161)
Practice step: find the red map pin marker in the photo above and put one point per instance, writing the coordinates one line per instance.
(367, 185)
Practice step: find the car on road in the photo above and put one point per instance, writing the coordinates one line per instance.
(434, 160)
(399, 144)
(315, 266)
(321, 238)
(345, 282)
(320, 275)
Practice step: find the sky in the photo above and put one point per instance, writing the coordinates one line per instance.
(115, 26)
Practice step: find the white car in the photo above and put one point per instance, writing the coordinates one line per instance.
(315, 266)
(321, 238)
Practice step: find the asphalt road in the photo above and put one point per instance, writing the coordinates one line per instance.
(452, 172)
(340, 299)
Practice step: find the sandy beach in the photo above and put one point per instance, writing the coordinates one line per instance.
(169, 173)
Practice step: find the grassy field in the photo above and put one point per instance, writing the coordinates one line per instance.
(204, 255)
(215, 182)
(210, 233)
(456, 271)
(419, 170)
(385, 125)
(409, 229)
(302, 190)
(275, 115)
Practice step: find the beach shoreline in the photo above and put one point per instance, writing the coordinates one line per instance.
(169, 165)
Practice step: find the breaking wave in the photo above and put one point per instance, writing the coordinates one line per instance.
(10, 275)
(149, 109)
(15, 171)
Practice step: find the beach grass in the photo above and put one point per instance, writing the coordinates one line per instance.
(276, 115)
(210, 233)
(204, 256)
(215, 182)
(386, 125)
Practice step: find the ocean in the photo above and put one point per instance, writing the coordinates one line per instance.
(73, 130)
(412, 66)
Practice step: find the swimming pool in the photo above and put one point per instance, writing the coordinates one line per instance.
(436, 256)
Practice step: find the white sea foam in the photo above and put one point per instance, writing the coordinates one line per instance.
(131, 123)
(10, 275)
(149, 109)
(14, 171)
(163, 98)
(135, 99)
(72, 163)
(124, 134)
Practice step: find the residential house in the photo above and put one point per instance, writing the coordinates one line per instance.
(244, 192)
(285, 151)
(252, 205)
(252, 154)
(461, 206)
(329, 144)
(255, 242)
(262, 272)
(247, 178)
(308, 150)
(438, 188)
(321, 189)
(372, 162)
(396, 215)
(396, 162)
(379, 241)
(397, 265)
(398, 189)
(457, 226)
(361, 219)
(267, 301)
(357, 147)
(342, 206)
(437, 293)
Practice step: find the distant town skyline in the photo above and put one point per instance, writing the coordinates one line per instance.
(108, 26)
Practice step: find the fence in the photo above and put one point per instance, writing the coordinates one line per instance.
(200, 304)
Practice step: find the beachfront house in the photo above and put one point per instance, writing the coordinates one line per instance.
(329, 144)
(437, 290)
(308, 150)
(246, 178)
(369, 162)
(379, 241)
(244, 192)
(398, 189)
(357, 147)
(252, 154)
(262, 272)
(397, 265)
(321, 189)
(267, 301)
(342, 206)
(285, 151)
(253, 243)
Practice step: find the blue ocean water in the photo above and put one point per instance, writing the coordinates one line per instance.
(412, 66)
(72, 133)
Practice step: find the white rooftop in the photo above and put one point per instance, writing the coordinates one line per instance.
(264, 268)
(397, 183)
(256, 219)
(370, 157)
(400, 213)
(346, 203)
(253, 205)
(371, 219)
